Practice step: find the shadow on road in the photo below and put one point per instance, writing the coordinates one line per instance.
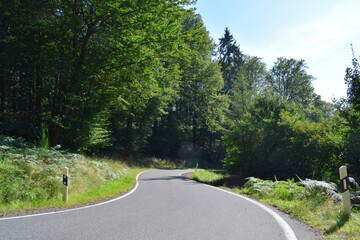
(169, 178)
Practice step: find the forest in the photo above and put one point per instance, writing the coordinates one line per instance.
(135, 78)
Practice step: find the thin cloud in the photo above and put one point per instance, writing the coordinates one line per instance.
(317, 38)
(340, 25)
(323, 43)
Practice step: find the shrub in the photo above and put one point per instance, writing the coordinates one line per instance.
(283, 190)
(319, 191)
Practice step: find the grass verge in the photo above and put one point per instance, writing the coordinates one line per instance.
(31, 178)
(102, 192)
(312, 206)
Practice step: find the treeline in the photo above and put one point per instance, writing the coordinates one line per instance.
(132, 76)
(145, 78)
(278, 126)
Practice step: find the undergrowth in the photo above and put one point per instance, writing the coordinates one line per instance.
(32, 176)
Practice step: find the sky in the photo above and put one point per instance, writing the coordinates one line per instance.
(317, 31)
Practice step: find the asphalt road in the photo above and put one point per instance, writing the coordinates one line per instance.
(164, 206)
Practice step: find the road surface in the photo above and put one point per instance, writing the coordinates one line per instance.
(164, 206)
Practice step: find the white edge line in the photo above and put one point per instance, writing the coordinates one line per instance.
(80, 208)
(289, 233)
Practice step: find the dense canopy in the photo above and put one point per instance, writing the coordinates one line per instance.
(144, 78)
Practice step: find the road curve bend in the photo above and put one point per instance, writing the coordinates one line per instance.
(164, 206)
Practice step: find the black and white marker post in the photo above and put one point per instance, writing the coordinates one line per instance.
(65, 184)
(344, 178)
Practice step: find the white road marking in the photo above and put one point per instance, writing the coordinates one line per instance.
(289, 233)
(80, 208)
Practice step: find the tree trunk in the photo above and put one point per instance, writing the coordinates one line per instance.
(79, 63)
(2, 96)
(155, 129)
(194, 132)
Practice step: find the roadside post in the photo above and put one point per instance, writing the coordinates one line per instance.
(344, 178)
(197, 165)
(65, 184)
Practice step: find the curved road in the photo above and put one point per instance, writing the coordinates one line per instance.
(164, 206)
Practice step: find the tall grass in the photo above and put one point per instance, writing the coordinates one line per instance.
(31, 176)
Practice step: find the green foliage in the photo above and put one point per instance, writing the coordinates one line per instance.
(28, 174)
(290, 82)
(309, 200)
(352, 79)
(194, 120)
(319, 191)
(230, 60)
(317, 146)
(277, 138)
(316, 192)
(210, 177)
(350, 110)
(139, 78)
(99, 133)
(281, 190)
(250, 84)
(44, 137)
(258, 186)
(164, 163)
(77, 64)
(44, 142)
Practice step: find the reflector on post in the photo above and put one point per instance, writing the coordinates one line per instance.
(345, 187)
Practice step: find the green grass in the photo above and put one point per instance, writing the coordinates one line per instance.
(31, 178)
(310, 205)
(99, 192)
(106, 191)
(214, 178)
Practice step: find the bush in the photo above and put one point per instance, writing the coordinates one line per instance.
(313, 190)
(283, 190)
(320, 190)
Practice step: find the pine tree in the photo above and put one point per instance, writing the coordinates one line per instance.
(230, 59)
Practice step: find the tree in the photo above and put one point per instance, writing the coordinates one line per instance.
(230, 60)
(351, 112)
(252, 75)
(195, 118)
(352, 79)
(279, 138)
(290, 82)
(67, 63)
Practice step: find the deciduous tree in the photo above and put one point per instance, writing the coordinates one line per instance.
(290, 81)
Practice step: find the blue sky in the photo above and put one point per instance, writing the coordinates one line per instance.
(318, 31)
